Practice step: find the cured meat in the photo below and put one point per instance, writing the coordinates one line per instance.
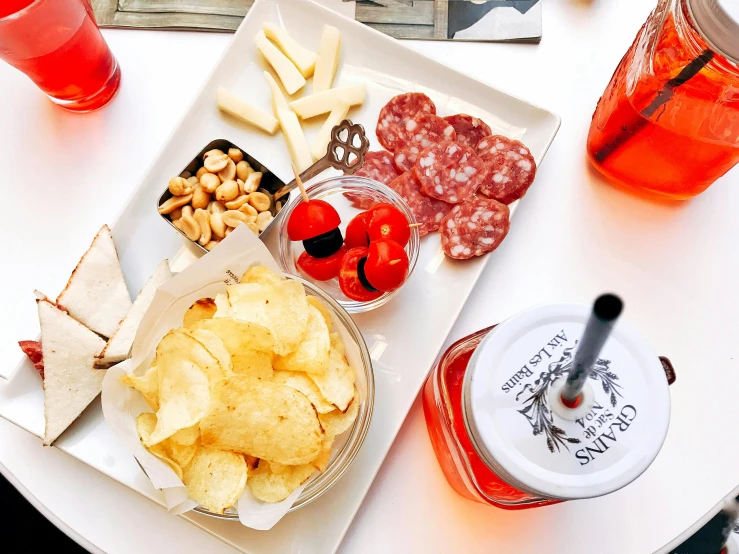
(511, 168)
(379, 167)
(427, 211)
(421, 132)
(395, 114)
(35, 353)
(449, 171)
(474, 228)
(470, 130)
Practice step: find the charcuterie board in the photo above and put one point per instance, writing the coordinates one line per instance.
(428, 304)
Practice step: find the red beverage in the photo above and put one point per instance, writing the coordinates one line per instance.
(59, 46)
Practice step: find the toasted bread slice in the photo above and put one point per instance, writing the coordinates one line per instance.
(96, 293)
(70, 382)
(120, 343)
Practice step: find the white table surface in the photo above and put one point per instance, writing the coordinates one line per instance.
(573, 237)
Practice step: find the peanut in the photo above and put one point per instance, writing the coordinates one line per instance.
(193, 180)
(176, 214)
(260, 201)
(178, 224)
(233, 218)
(253, 227)
(213, 152)
(190, 227)
(211, 245)
(210, 182)
(263, 220)
(252, 182)
(216, 207)
(200, 198)
(249, 210)
(243, 169)
(203, 219)
(241, 185)
(202, 171)
(278, 205)
(227, 191)
(173, 203)
(216, 162)
(187, 210)
(228, 173)
(217, 225)
(237, 202)
(228, 230)
(235, 154)
(179, 186)
(185, 174)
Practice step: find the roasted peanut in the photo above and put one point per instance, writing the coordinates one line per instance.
(210, 182)
(193, 180)
(227, 191)
(278, 205)
(190, 227)
(253, 227)
(243, 169)
(211, 245)
(217, 225)
(241, 185)
(233, 218)
(260, 201)
(179, 186)
(216, 207)
(185, 174)
(263, 219)
(252, 182)
(202, 171)
(228, 173)
(176, 214)
(203, 219)
(214, 152)
(173, 203)
(235, 154)
(228, 231)
(249, 210)
(177, 224)
(200, 198)
(237, 202)
(187, 210)
(215, 162)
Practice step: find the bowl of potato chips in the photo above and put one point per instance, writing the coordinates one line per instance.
(255, 393)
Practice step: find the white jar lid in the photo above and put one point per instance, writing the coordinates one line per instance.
(718, 22)
(510, 391)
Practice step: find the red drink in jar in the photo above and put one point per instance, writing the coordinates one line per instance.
(59, 46)
(501, 434)
(668, 122)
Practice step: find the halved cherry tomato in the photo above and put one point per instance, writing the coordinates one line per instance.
(322, 269)
(349, 280)
(356, 231)
(312, 218)
(386, 267)
(385, 221)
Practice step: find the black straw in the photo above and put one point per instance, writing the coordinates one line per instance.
(606, 310)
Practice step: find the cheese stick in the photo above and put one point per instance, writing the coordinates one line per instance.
(327, 59)
(295, 139)
(304, 59)
(324, 102)
(291, 78)
(246, 112)
(278, 99)
(320, 142)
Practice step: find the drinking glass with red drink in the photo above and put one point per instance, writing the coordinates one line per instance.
(58, 45)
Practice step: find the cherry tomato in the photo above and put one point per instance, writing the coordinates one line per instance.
(349, 280)
(387, 265)
(322, 269)
(356, 231)
(388, 222)
(312, 218)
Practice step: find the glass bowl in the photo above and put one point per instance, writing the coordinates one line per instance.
(332, 191)
(341, 460)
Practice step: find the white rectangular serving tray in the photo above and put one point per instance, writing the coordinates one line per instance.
(404, 336)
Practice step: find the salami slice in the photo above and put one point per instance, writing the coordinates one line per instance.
(427, 211)
(421, 132)
(511, 168)
(395, 114)
(470, 130)
(474, 228)
(379, 167)
(449, 171)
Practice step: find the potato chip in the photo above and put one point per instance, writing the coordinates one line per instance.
(262, 419)
(145, 425)
(147, 384)
(223, 306)
(321, 307)
(205, 308)
(250, 345)
(215, 346)
(251, 461)
(180, 342)
(186, 437)
(321, 461)
(336, 343)
(261, 274)
(180, 453)
(336, 422)
(215, 479)
(280, 307)
(312, 353)
(337, 384)
(300, 381)
(268, 486)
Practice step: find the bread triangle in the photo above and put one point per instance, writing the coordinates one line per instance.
(96, 293)
(70, 382)
(120, 343)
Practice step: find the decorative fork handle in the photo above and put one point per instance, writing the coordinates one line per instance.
(318, 167)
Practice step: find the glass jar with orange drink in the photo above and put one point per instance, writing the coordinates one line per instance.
(668, 122)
